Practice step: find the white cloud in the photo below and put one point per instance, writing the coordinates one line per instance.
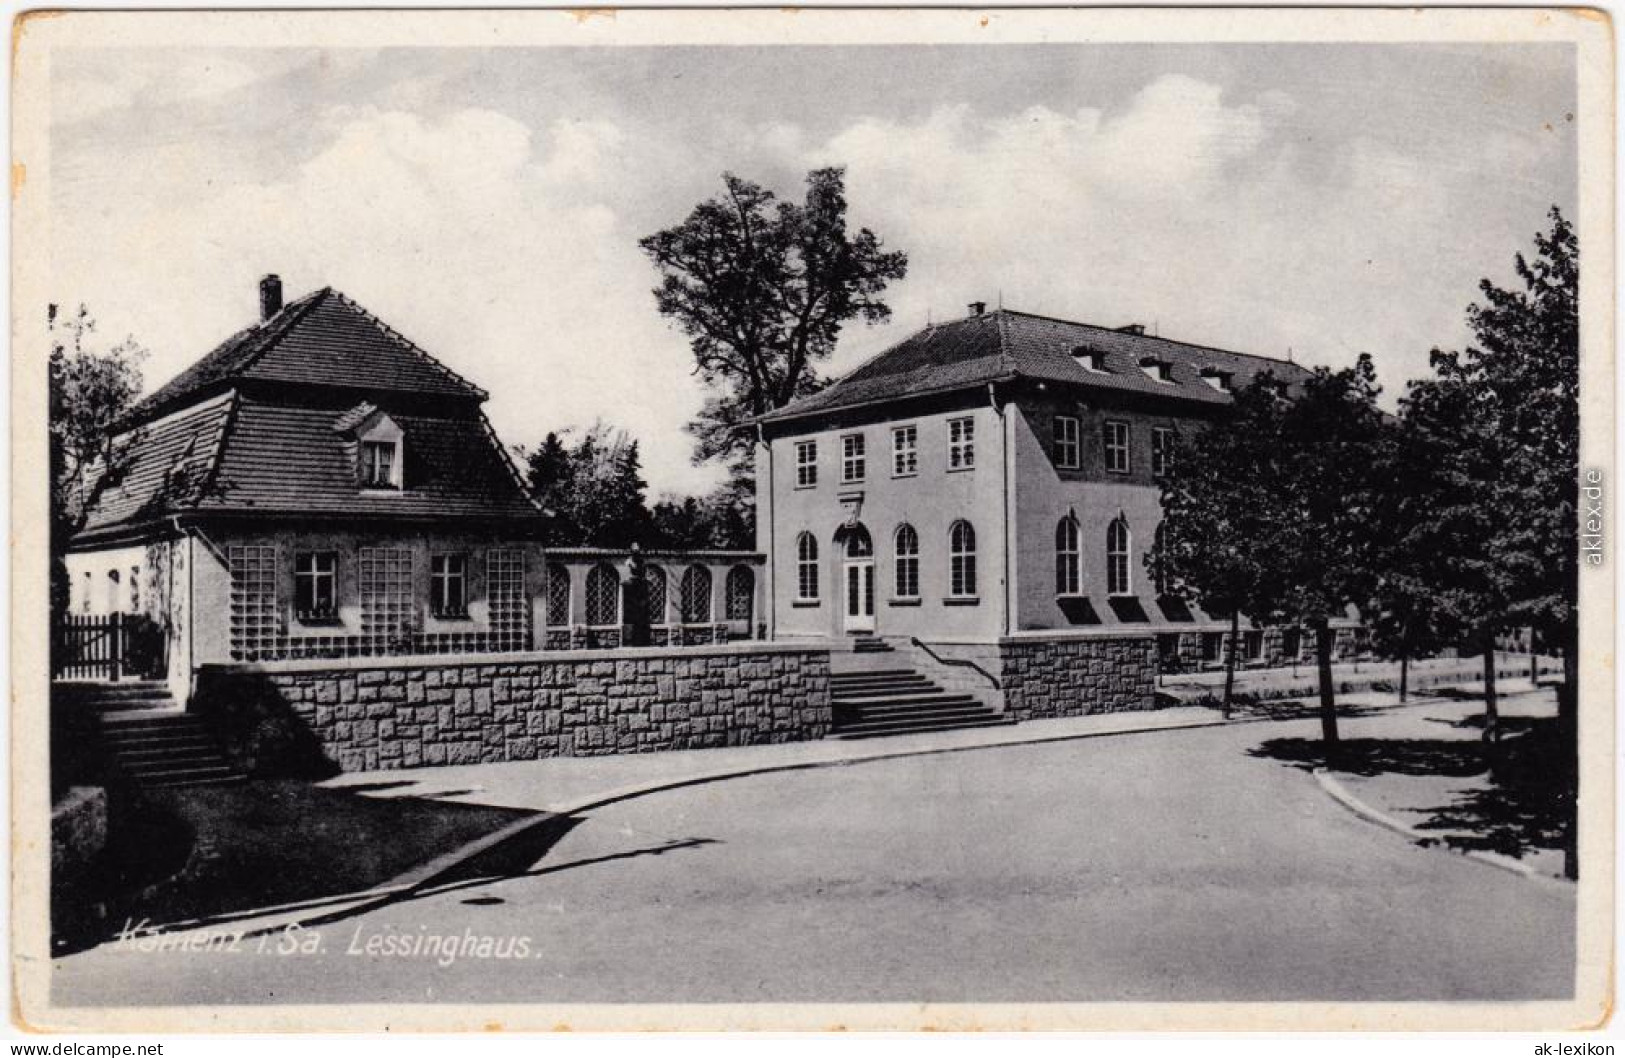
(492, 247)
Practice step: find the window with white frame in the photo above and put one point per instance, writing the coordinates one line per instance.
(1118, 581)
(1068, 556)
(448, 585)
(807, 567)
(905, 451)
(961, 560)
(854, 465)
(1115, 433)
(806, 464)
(603, 596)
(315, 585)
(961, 444)
(379, 465)
(906, 548)
(695, 595)
(1162, 449)
(1066, 441)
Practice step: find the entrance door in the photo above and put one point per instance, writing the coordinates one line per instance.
(860, 595)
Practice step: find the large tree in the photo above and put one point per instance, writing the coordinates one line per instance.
(90, 390)
(594, 490)
(1207, 547)
(1504, 417)
(1281, 493)
(762, 288)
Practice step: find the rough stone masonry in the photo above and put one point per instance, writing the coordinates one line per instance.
(375, 713)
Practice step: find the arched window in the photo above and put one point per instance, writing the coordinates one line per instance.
(1117, 569)
(906, 544)
(858, 543)
(1068, 553)
(654, 580)
(135, 589)
(807, 567)
(961, 560)
(695, 595)
(603, 595)
(741, 591)
(113, 600)
(558, 595)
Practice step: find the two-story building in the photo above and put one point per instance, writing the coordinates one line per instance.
(993, 479)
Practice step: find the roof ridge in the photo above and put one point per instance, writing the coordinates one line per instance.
(294, 311)
(1151, 337)
(410, 346)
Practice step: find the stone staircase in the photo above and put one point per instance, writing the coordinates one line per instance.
(148, 738)
(874, 696)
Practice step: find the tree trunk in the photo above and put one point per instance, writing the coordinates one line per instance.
(1404, 672)
(1328, 700)
(1568, 728)
(1230, 661)
(1492, 716)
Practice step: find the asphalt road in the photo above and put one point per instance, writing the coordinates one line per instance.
(1160, 866)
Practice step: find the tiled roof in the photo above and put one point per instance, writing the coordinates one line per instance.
(160, 468)
(288, 459)
(323, 338)
(1006, 344)
(249, 456)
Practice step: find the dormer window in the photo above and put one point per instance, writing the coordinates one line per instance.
(378, 465)
(1223, 381)
(1092, 360)
(1157, 370)
(378, 451)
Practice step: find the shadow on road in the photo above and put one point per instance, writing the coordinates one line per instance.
(1513, 798)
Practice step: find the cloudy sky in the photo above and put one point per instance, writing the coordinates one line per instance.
(1327, 199)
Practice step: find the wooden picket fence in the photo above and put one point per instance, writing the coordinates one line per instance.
(108, 647)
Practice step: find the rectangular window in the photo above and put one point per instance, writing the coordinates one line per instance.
(1291, 643)
(448, 585)
(905, 454)
(961, 444)
(853, 464)
(1252, 645)
(1212, 646)
(1116, 436)
(806, 464)
(378, 464)
(315, 585)
(1066, 442)
(1162, 448)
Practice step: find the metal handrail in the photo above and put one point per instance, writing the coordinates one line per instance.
(956, 662)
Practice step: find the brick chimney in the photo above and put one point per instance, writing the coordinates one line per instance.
(977, 308)
(270, 296)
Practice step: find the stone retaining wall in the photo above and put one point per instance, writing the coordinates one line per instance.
(78, 830)
(364, 714)
(1064, 676)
